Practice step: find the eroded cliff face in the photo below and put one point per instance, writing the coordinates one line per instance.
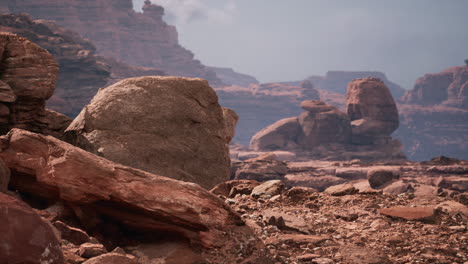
(81, 72)
(434, 115)
(141, 39)
(449, 87)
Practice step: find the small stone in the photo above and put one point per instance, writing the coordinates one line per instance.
(74, 235)
(110, 258)
(268, 189)
(89, 250)
(308, 257)
(379, 224)
(379, 177)
(341, 189)
(409, 213)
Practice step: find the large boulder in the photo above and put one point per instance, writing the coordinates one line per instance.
(170, 126)
(100, 191)
(322, 124)
(279, 135)
(27, 79)
(371, 108)
(25, 237)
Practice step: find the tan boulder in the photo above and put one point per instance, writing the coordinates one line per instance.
(171, 126)
(371, 108)
(279, 135)
(100, 189)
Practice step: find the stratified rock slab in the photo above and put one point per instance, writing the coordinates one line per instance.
(47, 167)
(409, 213)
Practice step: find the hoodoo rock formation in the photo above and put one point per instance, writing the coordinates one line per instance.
(372, 110)
(259, 105)
(27, 79)
(323, 131)
(81, 72)
(171, 126)
(140, 39)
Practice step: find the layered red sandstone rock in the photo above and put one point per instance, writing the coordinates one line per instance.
(27, 79)
(449, 87)
(433, 116)
(81, 72)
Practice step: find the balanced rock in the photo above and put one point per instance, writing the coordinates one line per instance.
(27, 80)
(322, 124)
(25, 237)
(309, 90)
(371, 108)
(170, 126)
(99, 189)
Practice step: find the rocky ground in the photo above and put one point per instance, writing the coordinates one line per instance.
(419, 218)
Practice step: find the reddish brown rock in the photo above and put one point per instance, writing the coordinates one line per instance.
(91, 250)
(4, 176)
(28, 75)
(110, 258)
(118, 31)
(26, 238)
(74, 235)
(449, 87)
(341, 189)
(171, 126)
(322, 124)
(134, 198)
(409, 213)
(81, 71)
(378, 177)
(371, 108)
(261, 170)
(230, 118)
(361, 255)
(231, 188)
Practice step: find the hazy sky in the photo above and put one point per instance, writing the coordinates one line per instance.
(281, 40)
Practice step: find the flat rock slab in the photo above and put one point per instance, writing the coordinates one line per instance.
(52, 169)
(342, 189)
(409, 213)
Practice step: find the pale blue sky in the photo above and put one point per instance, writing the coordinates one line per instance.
(279, 40)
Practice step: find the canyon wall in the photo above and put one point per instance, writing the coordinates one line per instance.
(117, 31)
(81, 72)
